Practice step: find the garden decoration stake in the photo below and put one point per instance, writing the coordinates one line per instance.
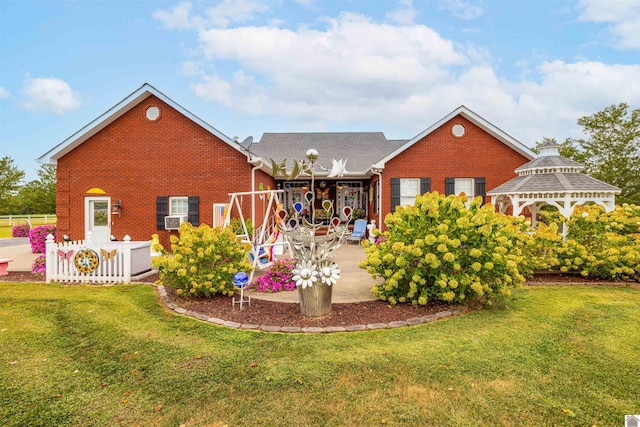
(315, 272)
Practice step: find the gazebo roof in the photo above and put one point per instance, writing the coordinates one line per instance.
(556, 182)
(552, 173)
(546, 162)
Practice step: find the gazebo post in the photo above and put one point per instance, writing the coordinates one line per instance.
(534, 208)
(554, 180)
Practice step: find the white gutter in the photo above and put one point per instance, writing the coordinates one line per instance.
(257, 164)
(378, 171)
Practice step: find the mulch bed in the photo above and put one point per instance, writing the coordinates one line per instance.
(262, 312)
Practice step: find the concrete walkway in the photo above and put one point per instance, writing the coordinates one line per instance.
(354, 286)
(19, 250)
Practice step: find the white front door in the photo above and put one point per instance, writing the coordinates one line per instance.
(98, 218)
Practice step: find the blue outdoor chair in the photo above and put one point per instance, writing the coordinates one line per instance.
(359, 230)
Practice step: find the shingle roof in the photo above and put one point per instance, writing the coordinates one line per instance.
(549, 162)
(360, 149)
(553, 182)
(139, 95)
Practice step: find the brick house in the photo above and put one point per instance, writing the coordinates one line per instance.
(148, 157)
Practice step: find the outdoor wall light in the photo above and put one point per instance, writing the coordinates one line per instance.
(116, 207)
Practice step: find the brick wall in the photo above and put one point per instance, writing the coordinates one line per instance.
(135, 160)
(440, 154)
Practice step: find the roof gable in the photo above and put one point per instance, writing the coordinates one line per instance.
(117, 111)
(463, 111)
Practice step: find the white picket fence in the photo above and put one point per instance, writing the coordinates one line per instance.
(9, 220)
(115, 260)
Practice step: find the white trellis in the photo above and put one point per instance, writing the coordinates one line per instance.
(266, 240)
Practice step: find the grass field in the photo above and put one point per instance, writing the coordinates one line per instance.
(36, 220)
(83, 355)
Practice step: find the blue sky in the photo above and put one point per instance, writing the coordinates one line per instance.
(247, 67)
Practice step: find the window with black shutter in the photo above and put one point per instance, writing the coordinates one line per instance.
(449, 186)
(395, 193)
(162, 210)
(193, 215)
(481, 187)
(425, 185)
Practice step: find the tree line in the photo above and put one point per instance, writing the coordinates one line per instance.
(610, 152)
(33, 197)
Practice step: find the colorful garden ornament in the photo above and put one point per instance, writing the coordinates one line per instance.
(241, 280)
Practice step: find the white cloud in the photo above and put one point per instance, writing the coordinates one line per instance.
(467, 10)
(221, 15)
(623, 17)
(400, 79)
(231, 11)
(4, 93)
(178, 17)
(48, 94)
(406, 14)
(353, 59)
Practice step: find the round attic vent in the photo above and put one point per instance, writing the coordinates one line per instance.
(457, 130)
(153, 113)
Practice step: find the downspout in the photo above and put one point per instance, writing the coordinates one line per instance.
(378, 171)
(258, 163)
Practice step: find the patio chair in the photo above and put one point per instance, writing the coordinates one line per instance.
(359, 230)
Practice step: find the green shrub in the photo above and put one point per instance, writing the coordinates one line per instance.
(440, 249)
(236, 226)
(589, 223)
(203, 261)
(599, 245)
(611, 241)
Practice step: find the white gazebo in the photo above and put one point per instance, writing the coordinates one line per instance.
(552, 180)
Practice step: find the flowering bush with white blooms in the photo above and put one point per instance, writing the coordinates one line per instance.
(601, 245)
(440, 249)
(203, 261)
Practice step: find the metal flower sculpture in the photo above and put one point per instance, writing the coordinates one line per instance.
(315, 271)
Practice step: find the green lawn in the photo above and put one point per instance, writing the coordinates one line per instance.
(5, 231)
(83, 355)
(36, 220)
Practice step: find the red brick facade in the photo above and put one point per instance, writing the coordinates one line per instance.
(440, 154)
(135, 160)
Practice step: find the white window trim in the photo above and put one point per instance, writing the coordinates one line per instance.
(409, 199)
(178, 198)
(459, 189)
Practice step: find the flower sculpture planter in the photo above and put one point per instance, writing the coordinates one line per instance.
(315, 273)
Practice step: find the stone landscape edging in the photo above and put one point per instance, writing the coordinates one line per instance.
(453, 311)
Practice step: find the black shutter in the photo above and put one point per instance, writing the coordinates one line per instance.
(194, 210)
(425, 185)
(395, 193)
(481, 187)
(449, 186)
(162, 210)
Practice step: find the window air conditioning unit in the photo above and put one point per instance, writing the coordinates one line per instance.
(173, 222)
